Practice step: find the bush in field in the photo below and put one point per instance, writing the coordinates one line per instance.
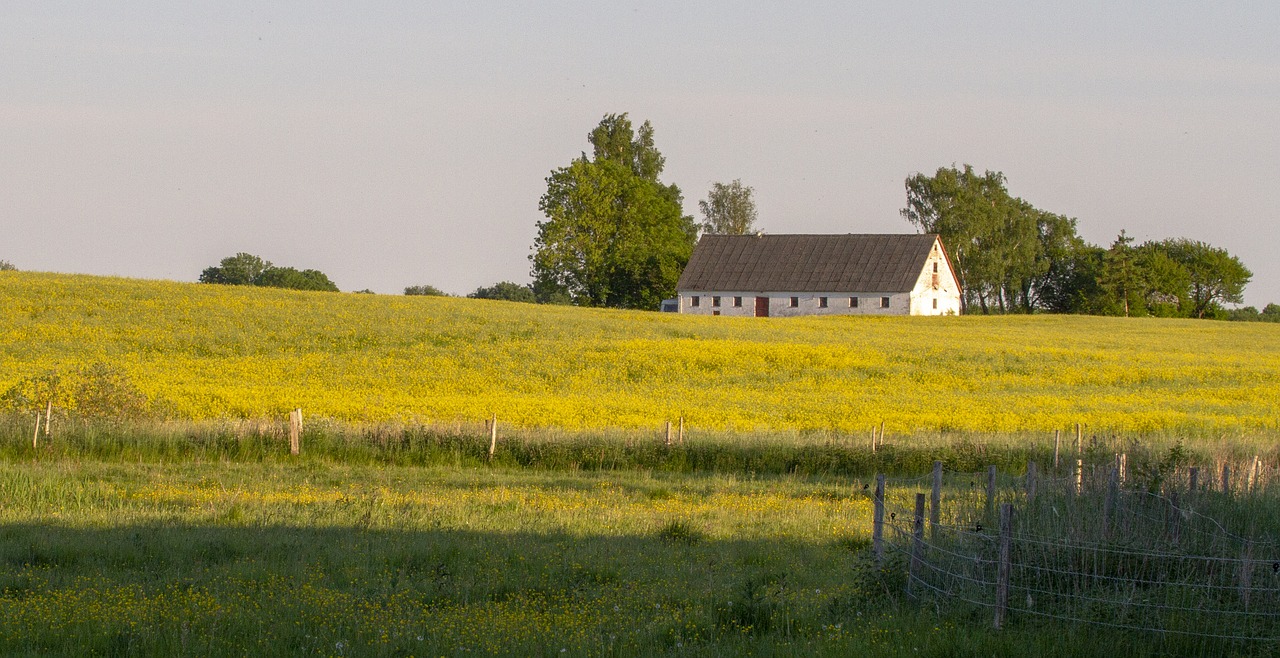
(248, 270)
(425, 291)
(505, 290)
(93, 391)
(6, 266)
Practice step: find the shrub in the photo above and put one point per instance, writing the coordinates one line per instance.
(425, 291)
(505, 290)
(6, 266)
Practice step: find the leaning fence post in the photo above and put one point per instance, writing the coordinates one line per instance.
(1006, 565)
(917, 541)
(1031, 481)
(991, 490)
(1057, 443)
(35, 438)
(935, 501)
(877, 527)
(1193, 479)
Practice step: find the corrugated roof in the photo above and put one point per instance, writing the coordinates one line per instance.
(807, 263)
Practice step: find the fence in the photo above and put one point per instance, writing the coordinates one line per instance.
(1191, 559)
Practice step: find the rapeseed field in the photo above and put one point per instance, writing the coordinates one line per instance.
(212, 352)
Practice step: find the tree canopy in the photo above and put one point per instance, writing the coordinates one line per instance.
(505, 290)
(614, 234)
(1013, 257)
(245, 269)
(729, 209)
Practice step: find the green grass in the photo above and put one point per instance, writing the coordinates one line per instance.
(217, 558)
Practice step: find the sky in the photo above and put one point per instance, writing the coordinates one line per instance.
(391, 144)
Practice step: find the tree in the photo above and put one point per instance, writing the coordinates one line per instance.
(248, 270)
(288, 277)
(729, 209)
(1214, 276)
(507, 291)
(1001, 246)
(614, 234)
(425, 291)
(1121, 277)
(6, 266)
(239, 270)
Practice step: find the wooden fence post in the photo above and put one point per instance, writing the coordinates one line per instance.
(1124, 467)
(1175, 516)
(35, 438)
(295, 431)
(1246, 574)
(873, 439)
(1057, 443)
(935, 501)
(1193, 478)
(493, 436)
(1006, 565)
(917, 541)
(48, 418)
(668, 434)
(682, 430)
(991, 490)
(1079, 476)
(1031, 481)
(1226, 479)
(877, 527)
(1109, 504)
(1253, 472)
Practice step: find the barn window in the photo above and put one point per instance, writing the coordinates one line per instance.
(884, 302)
(822, 302)
(795, 302)
(853, 302)
(935, 303)
(737, 302)
(694, 301)
(935, 268)
(715, 312)
(715, 301)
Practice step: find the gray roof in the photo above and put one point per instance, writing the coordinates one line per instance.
(807, 263)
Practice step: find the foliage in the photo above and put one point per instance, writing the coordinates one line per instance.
(242, 352)
(1011, 256)
(729, 209)
(96, 390)
(614, 234)
(425, 291)
(505, 290)
(6, 266)
(1269, 313)
(1003, 248)
(245, 269)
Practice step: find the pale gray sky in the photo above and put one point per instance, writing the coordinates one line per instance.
(394, 144)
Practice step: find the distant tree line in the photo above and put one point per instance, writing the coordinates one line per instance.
(1011, 257)
(248, 270)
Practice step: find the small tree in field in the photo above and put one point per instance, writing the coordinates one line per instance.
(6, 266)
(425, 291)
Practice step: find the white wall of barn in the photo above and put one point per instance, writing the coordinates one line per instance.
(937, 291)
(807, 303)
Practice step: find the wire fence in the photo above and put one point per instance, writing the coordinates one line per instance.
(1095, 546)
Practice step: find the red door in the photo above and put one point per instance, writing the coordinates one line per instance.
(762, 307)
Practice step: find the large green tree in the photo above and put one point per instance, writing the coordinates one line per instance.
(1003, 248)
(729, 209)
(614, 234)
(1213, 276)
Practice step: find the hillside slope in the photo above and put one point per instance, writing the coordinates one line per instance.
(202, 351)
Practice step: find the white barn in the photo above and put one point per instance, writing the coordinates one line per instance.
(788, 275)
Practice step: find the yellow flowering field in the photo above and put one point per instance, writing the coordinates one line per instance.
(207, 352)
